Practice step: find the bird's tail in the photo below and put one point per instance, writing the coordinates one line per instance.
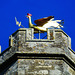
(61, 23)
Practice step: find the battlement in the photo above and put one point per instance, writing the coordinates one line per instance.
(27, 35)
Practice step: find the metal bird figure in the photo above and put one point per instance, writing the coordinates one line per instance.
(44, 23)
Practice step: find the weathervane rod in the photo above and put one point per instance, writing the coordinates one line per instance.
(22, 26)
(39, 34)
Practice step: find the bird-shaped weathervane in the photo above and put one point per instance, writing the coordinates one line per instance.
(42, 24)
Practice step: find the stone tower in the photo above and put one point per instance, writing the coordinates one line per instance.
(29, 56)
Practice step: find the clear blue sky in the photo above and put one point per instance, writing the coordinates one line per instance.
(60, 9)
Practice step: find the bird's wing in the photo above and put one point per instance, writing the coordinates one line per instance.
(42, 21)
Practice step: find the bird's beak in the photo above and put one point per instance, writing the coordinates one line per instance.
(27, 16)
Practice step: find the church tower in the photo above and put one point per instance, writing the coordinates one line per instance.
(28, 56)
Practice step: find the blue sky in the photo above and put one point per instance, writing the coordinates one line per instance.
(60, 9)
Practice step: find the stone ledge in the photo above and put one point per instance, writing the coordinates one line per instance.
(36, 56)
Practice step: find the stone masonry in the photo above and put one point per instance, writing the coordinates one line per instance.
(29, 56)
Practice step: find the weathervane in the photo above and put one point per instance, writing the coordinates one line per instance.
(42, 24)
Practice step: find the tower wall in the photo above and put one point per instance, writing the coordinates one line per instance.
(29, 56)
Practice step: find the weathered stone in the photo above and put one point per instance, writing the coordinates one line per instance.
(29, 56)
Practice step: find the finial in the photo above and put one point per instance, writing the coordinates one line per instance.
(18, 23)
